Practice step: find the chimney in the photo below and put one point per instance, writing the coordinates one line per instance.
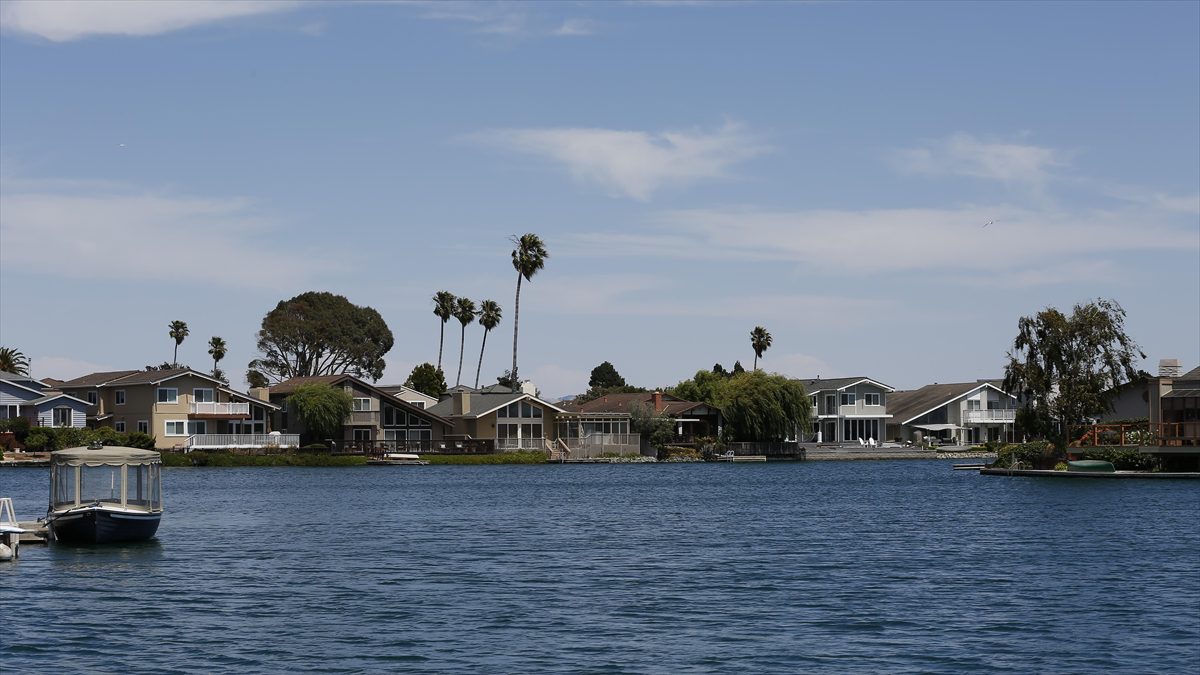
(1169, 368)
(658, 404)
(528, 387)
(260, 393)
(462, 402)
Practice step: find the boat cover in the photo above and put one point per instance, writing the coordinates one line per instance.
(109, 454)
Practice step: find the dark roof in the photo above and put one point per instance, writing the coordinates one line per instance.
(1182, 393)
(52, 396)
(905, 405)
(485, 402)
(622, 403)
(284, 388)
(836, 383)
(14, 377)
(1193, 374)
(155, 376)
(96, 379)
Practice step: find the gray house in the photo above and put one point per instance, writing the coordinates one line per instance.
(848, 409)
(956, 413)
(34, 400)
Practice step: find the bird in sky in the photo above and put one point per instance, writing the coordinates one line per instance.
(988, 223)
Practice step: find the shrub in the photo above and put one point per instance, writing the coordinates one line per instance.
(1123, 459)
(535, 457)
(1033, 455)
(1061, 466)
(38, 440)
(19, 426)
(137, 439)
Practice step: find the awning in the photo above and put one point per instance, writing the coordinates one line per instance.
(937, 427)
(1182, 393)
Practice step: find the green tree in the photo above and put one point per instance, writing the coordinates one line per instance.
(256, 379)
(464, 311)
(760, 341)
(427, 379)
(217, 350)
(757, 406)
(443, 308)
(321, 408)
(13, 361)
(507, 380)
(655, 427)
(179, 330)
(704, 387)
(1063, 366)
(738, 368)
(319, 333)
(489, 318)
(605, 376)
(528, 257)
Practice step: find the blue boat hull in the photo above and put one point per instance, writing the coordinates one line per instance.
(98, 525)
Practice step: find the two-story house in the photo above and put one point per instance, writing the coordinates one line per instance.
(957, 413)
(22, 396)
(848, 409)
(511, 420)
(377, 417)
(182, 408)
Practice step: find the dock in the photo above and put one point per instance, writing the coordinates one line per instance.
(741, 458)
(35, 533)
(1045, 473)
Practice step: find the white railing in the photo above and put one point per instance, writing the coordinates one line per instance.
(520, 443)
(989, 416)
(220, 408)
(218, 441)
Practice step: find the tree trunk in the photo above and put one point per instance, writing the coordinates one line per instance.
(756, 360)
(462, 347)
(441, 341)
(175, 357)
(481, 348)
(516, 327)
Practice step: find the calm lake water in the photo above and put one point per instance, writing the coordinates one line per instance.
(902, 566)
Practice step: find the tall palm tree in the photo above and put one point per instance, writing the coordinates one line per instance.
(443, 307)
(760, 341)
(464, 311)
(489, 318)
(216, 349)
(527, 258)
(13, 361)
(179, 331)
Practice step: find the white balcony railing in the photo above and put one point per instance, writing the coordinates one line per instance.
(989, 416)
(220, 408)
(231, 441)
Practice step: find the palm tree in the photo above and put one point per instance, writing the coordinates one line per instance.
(527, 258)
(13, 361)
(489, 318)
(443, 307)
(179, 331)
(760, 341)
(216, 349)
(464, 311)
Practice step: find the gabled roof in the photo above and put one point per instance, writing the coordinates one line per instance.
(23, 380)
(290, 386)
(1193, 374)
(54, 396)
(22, 384)
(672, 406)
(906, 406)
(840, 383)
(486, 402)
(96, 379)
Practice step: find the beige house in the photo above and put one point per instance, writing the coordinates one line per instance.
(377, 419)
(181, 408)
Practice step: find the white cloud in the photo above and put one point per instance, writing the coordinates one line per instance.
(1019, 241)
(635, 163)
(89, 231)
(520, 20)
(571, 27)
(67, 20)
(962, 154)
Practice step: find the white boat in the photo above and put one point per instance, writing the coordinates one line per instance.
(398, 459)
(103, 494)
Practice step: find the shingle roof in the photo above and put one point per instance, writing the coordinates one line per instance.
(905, 405)
(53, 396)
(1193, 374)
(835, 383)
(622, 403)
(485, 402)
(96, 379)
(152, 376)
(291, 385)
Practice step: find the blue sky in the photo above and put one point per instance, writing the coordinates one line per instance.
(824, 170)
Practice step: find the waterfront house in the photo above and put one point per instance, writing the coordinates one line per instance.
(512, 420)
(409, 395)
(182, 408)
(611, 413)
(377, 418)
(22, 396)
(957, 413)
(848, 409)
(1170, 402)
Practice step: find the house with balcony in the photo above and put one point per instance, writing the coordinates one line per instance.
(964, 413)
(611, 413)
(409, 395)
(848, 409)
(378, 419)
(181, 408)
(22, 396)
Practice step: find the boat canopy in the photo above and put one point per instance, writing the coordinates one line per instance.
(937, 427)
(110, 454)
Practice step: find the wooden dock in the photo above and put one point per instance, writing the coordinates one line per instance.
(35, 533)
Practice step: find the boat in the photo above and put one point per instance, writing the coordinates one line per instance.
(398, 459)
(1091, 466)
(10, 531)
(104, 494)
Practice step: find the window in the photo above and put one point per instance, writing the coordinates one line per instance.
(361, 405)
(202, 395)
(168, 395)
(119, 425)
(91, 398)
(119, 396)
(973, 404)
(197, 427)
(872, 399)
(176, 427)
(848, 398)
(362, 434)
(143, 426)
(414, 421)
(61, 417)
(11, 411)
(420, 405)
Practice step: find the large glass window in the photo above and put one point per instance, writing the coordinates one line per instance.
(197, 427)
(100, 483)
(61, 417)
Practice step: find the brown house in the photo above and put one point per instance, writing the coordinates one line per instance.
(692, 420)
